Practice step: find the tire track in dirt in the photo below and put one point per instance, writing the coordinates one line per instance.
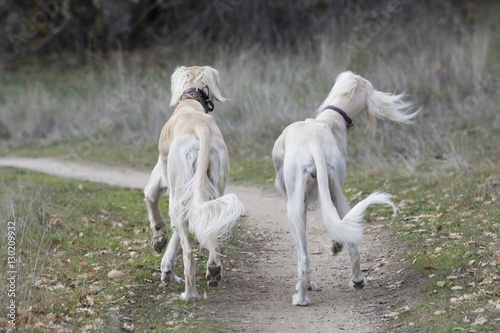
(260, 277)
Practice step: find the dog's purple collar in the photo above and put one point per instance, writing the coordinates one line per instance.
(344, 115)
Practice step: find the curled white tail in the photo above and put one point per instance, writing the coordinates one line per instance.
(350, 228)
(210, 217)
(210, 221)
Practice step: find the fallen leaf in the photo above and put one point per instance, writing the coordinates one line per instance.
(440, 283)
(94, 288)
(431, 269)
(457, 288)
(118, 300)
(42, 326)
(130, 255)
(439, 312)
(143, 230)
(128, 327)
(51, 317)
(487, 280)
(115, 274)
(391, 315)
(480, 321)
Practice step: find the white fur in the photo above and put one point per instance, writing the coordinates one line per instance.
(181, 77)
(310, 162)
(194, 167)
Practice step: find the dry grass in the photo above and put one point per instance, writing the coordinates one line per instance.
(446, 61)
(123, 98)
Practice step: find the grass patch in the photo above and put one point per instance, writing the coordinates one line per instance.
(70, 236)
(82, 150)
(258, 170)
(253, 171)
(448, 222)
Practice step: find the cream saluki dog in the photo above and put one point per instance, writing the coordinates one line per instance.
(194, 167)
(310, 162)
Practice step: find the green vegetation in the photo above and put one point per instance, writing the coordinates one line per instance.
(448, 224)
(84, 258)
(75, 233)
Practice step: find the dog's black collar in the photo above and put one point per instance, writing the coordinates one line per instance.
(201, 96)
(344, 115)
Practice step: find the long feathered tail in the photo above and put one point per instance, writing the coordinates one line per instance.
(210, 217)
(350, 228)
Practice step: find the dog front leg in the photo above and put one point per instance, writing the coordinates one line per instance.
(152, 193)
(214, 268)
(168, 260)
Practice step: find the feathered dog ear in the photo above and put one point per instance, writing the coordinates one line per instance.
(207, 76)
(180, 77)
(346, 84)
(210, 77)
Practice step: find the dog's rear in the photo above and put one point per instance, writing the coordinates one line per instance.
(309, 157)
(194, 166)
(199, 168)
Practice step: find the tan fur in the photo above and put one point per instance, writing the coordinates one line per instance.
(194, 167)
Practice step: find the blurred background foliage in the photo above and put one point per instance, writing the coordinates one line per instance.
(77, 75)
(28, 26)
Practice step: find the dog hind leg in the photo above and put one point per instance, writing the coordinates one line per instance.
(214, 268)
(336, 248)
(297, 219)
(302, 295)
(358, 280)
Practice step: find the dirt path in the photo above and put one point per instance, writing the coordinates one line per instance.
(260, 278)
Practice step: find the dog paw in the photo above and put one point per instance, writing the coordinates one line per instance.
(190, 296)
(336, 248)
(300, 300)
(159, 242)
(358, 284)
(214, 275)
(313, 286)
(169, 277)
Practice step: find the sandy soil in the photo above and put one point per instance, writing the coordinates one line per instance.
(259, 279)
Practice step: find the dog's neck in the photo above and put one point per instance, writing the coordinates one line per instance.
(334, 115)
(347, 119)
(200, 96)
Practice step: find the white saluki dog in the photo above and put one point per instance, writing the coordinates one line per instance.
(194, 167)
(310, 162)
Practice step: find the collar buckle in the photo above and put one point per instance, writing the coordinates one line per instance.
(201, 96)
(348, 121)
